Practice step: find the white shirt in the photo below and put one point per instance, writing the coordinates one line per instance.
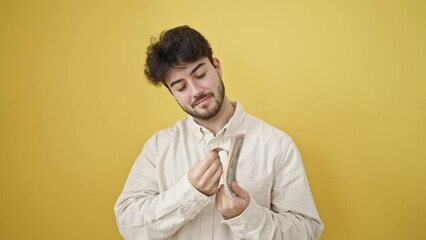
(158, 201)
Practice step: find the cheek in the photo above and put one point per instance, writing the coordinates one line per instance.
(182, 99)
(211, 83)
(216, 85)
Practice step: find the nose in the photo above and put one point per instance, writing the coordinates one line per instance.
(195, 88)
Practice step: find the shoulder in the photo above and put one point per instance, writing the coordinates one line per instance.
(267, 135)
(264, 128)
(166, 136)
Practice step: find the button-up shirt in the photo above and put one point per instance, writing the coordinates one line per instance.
(159, 202)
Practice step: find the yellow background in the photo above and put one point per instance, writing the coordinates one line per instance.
(346, 79)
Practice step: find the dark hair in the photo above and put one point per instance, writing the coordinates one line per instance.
(174, 47)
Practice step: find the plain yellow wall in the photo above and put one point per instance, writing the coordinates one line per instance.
(346, 79)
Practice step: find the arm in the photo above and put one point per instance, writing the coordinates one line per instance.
(292, 215)
(143, 212)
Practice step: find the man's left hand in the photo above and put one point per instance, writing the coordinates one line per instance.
(232, 207)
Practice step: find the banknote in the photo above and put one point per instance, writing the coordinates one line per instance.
(231, 166)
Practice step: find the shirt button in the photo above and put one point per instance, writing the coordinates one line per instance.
(207, 216)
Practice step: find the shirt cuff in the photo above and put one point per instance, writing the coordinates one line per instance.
(249, 220)
(189, 197)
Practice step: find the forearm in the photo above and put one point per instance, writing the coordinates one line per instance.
(157, 216)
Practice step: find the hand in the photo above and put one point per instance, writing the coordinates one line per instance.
(205, 175)
(232, 207)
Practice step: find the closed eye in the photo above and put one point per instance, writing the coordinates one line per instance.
(182, 88)
(200, 76)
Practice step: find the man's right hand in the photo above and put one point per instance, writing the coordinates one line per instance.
(205, 175)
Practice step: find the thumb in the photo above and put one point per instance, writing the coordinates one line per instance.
(239, 191)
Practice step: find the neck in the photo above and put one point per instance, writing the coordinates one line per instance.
(216, 123)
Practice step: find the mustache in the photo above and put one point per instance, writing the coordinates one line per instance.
(200, 97)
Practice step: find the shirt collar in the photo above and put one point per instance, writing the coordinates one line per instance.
(234, 123)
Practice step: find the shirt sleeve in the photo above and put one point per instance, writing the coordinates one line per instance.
(292, 214)
(142, 212)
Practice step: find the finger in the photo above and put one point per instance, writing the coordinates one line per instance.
(212, 169)
(219, 171)
(207, 162)
(239, 191)
(215, 151)
(218, 149)
(210, 158)
(215, 179)
(219, 194)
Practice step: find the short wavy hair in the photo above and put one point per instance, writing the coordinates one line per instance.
(174, 47)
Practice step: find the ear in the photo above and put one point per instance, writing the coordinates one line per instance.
(216, 64)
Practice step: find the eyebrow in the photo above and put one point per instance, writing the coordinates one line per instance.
(193, 70)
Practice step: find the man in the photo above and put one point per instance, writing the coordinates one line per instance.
(174, 189)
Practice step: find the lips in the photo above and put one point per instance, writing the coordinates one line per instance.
(201, 99)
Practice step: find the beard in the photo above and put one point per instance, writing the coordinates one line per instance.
(209, 114)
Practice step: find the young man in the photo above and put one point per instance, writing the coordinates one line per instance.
(174, 189)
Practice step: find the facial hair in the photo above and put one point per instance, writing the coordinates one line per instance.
(216, 108)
